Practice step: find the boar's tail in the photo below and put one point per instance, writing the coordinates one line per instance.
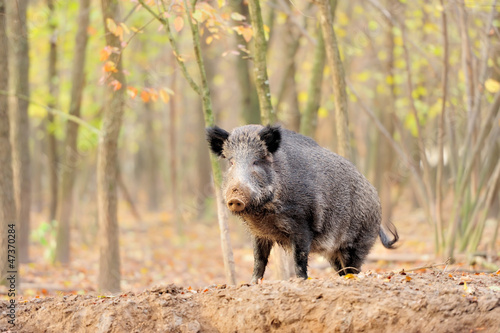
(385, 240)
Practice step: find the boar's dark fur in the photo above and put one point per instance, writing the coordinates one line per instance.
(290, 191)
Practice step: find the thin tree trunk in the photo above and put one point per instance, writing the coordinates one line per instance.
(71, 157)
(204, 93)
(249, 99)
(385, 152)
(288, 88)
(19, 56)
(268, 115)
(174, 191)
(440, 138)
(338, 77)
(151, 157)
(7, 201)
(309, 119)
(227, 250)
(50, 124)
(107, 162)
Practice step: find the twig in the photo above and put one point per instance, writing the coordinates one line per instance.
(54, 111)
(389, 17)
(389, 138)
(283, 6)
(446, 263)
(165, 23)
(346, 268)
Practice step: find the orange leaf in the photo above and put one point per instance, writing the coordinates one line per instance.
(105, 53)
(153, 94)
(145, 96)
(116, 85)
(178, 23)
(132, 92)
(110, 66)
(247, 34)
(408, 278)
(119, 33)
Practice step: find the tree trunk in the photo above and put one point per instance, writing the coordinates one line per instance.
(107, 160)
(174, 191)
(7, 201)
(71, 157)
(227, 250)
(151, 157)
(309, 120)
(288, 89)
(50, 125)
(249, 99)
(338, 77)
(268, 115)
(19, 56)
(385, 156)
(204, 93)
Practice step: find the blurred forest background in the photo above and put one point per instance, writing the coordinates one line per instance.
(103, 104)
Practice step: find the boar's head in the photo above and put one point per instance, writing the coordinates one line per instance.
(250, 181)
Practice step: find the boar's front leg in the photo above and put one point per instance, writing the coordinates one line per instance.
(301, 246)
(261, 249)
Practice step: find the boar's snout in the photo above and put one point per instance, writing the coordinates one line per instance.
(235, 205)
(237, 199)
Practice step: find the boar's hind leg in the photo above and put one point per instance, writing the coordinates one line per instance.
(347, 261)
(261, 249)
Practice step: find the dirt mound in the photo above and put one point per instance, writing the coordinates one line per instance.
(419, 302)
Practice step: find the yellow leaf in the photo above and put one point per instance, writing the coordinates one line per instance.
(492, 86)
(237, 17)
(322, 112)
(125, 28)
(178, 23)
(165, 97)
(302, 97)
(350, 276)
(111, 25)
(209, 40)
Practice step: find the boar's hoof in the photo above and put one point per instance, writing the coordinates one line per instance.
(235, 205)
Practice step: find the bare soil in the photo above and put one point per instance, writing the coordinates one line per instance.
(370, 302)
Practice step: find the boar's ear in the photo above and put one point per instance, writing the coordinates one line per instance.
(271, 135)
(216, 137)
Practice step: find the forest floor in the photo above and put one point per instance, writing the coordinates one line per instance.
(176, 284)
(369, 302)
